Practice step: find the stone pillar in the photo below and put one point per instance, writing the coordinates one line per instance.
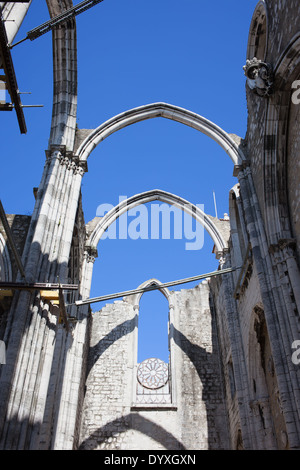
(30, 352)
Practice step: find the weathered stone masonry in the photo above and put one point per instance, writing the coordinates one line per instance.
(195, 420)
(232, 383)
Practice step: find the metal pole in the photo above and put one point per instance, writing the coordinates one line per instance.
(154, 287)
(57, 20)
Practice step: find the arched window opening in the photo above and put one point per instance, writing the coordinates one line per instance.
(153, 338)
(154, 374)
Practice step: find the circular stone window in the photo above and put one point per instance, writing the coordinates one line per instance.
(153, 373)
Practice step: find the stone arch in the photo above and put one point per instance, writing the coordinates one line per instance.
(164, 110)
(156, 195)
(258, 33)
(149, 283)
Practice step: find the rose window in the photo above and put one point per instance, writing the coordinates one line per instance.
(153, 373)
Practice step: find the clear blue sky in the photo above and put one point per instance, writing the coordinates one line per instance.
(132, 53)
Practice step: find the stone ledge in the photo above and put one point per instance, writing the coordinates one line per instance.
(153, 407)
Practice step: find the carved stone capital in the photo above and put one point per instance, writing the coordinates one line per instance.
(259, 76)
(66, 158)
(72, 165)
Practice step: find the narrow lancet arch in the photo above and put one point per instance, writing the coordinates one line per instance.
(165, 393)
(155, 283)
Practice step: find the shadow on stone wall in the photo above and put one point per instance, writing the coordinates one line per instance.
(95, 352)
(209, 391)
(111, 434)
(30, 326)
(202, 408)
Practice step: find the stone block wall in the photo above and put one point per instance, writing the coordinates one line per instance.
(196, 418)
(228, 327)
(273, 123)
(106, 410)
(199, 374)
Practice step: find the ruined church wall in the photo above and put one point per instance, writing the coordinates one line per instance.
(108, 420)
(293, 172)
(253, 399)
(196, 418)
(219, 298)
(283, 25)
(266, 141)
(106, 408)
(201, 394)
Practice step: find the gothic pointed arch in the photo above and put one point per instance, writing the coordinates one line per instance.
(161, 391)
(101, 224)
(163, 110)
(151, 283)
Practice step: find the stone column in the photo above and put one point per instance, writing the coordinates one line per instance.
(30, 352)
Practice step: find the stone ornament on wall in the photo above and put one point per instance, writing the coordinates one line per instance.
(259, 76)
(153, 373)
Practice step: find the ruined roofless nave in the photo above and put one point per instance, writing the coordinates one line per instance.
(70, 380)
